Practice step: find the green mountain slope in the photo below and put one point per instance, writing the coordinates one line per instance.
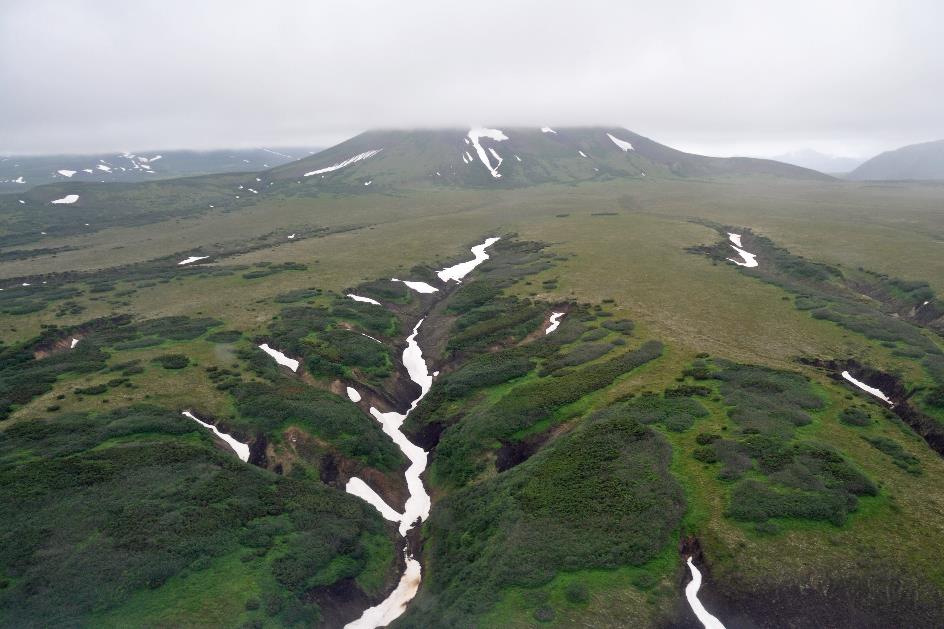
(527, 156)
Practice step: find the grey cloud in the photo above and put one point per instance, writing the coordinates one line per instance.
(719, 77)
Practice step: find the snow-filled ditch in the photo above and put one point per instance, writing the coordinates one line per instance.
(749, 260)
(366, 300)
(870, 390)
(418, 503)
(554, 322)
(458, 271)
(419, 287)
(241, 449)
(191, 260)
(691, 593)
(279, 357)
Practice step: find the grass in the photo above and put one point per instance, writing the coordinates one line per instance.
(635, 260)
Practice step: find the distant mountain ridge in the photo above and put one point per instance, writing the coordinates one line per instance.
(824, 163)
(915, 162)
(19, 173)
(513, 157)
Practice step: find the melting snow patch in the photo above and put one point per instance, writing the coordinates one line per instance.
(367, 183)
(73, 343)
(555, 322)
(66, 173)
(394, 605)
(366, 300)
(241, 449)
(291, 236)
(691, 593)
(458, 271)
(347, 162)
(517, 158)
(736, 239)
(750, 260)
(191, 260)
(548, 130)
(103, 167)
(279, 357)
(21, 201)
(68, 199)
(19, 179)
(353, 395)
(870, 390)
(623, 144)
(493, 134)
(357, 487)
(252, 191)
(582, 154)
(420, 287)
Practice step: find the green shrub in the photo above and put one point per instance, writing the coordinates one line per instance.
(171, 361)
(855, 416)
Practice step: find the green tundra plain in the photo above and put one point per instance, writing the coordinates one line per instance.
(685, 406)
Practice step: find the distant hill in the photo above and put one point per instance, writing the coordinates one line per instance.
(18, 173)
(512, 157)
(916, 161)
(808, 158)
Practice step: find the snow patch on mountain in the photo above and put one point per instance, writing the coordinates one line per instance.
(475, 135)
(351, 160)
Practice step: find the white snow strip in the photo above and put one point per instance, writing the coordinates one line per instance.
(279, 357)
(736, 239)
(277, 153)
(548, 130)
(353, 395)
(252, 191)
(366, 300)
(582, 154)
(19, 179)
(870, 390)
(191, 260)
(372, 338)
(241, 449)
(493, 134)
(68, 199)
(88, 170)
(496, 156)
(623, 144)
(394, 605)
(458, 271)
(465, 160)
(22, 201)
(420, 287)
(517, 158)
(347, 162)
(750, 260)
(291, 236)
(103, 167)
(357, 487)
(66, 173)
(691, 593)
(555, 322)
(73, 343)
(367, 183)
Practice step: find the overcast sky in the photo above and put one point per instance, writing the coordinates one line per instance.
(848, 78)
